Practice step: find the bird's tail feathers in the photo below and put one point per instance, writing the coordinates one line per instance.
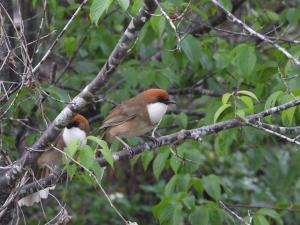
(41, 194)
(35, 197)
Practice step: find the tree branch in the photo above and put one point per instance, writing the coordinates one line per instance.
(256, 34)
(213, 21)
(81, 100)
(196, 134)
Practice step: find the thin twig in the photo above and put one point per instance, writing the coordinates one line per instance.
(59, 36)
(256, 34)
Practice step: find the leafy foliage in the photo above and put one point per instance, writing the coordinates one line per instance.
(254, 173)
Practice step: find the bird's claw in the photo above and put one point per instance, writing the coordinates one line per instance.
(130, 152)
(154, 141)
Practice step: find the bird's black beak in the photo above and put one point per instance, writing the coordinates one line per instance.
(170, 102)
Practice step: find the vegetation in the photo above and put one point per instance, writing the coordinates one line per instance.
(246, 171)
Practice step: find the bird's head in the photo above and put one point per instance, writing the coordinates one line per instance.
(157, 96)
(79, 121)
(157, 101)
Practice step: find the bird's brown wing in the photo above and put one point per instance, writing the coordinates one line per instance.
(51, 158)
(119, 115)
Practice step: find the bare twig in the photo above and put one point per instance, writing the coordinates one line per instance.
(197, 134)
(256, 34)
(59, 36)
(223, 206)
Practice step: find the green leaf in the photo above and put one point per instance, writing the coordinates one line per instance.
(175, 163)
(183, 120)
(226, 97)
(97, 9)
(178, 183)
(245, 60)
(248, 93)
(71, 170)
(248, 102)
(271, 213)
(272, 99)
(288, 115)
(227, 4)
(70, 150)
(220, 110)
(104, 149)
(86, 156)
(191, 48)
(124, 4)
(70, 45)
(200, 216)
(189, 201)
(146, 158)
(260, 220)
(212, 185)
(158, 24)
(170, 213)
(197, 183)
(159, 163)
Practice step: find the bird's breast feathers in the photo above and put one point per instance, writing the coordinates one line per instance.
(74, 133)
(156, 111)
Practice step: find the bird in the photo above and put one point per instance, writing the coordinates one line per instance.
(136, 116)
(50, 160)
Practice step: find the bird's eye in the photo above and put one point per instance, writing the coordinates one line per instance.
(73, 124)
(160, 99)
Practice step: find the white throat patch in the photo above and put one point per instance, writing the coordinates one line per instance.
(156, 111)
(74, 133)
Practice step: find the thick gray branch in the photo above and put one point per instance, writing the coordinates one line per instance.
(196, 134)
(81, 100)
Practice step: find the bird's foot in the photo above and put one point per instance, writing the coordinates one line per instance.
(130, 152)
(126, 146)
(53, 170)
(154, 140)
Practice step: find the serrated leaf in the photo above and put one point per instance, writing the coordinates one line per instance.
(245, 60)
(220, 110)
(212, 185)
(146, 158)
(97, 9)
(70, 150)
(272, 99)
(104, 149)
(159, 163)
(248, 93)
(86, 156)
(124, 4)
(200, 216)
(226, 97)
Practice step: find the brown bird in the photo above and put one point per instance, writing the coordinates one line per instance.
(136, 116)
(49, 161)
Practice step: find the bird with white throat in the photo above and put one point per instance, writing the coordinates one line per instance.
(50, 160)
(136, 116)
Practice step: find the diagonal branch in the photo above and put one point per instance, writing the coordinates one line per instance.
(197, 134)
(256, 34)
(86, 95)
